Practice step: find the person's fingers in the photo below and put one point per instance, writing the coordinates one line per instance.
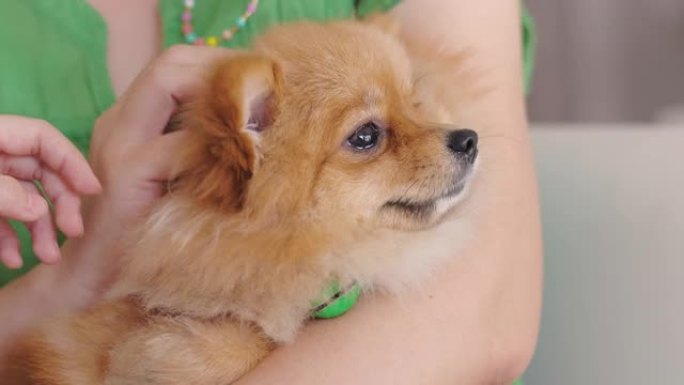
(9, 246)
(153, 100)
(43, 234)
(44, 240)
(158, 160)
(66, 202)
(20, 136)
(16, 202)
(169, 80)
(20, 167)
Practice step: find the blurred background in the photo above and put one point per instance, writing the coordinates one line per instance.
(607, 112)
(609, 60)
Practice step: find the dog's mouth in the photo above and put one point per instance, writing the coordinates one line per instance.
(424, 208)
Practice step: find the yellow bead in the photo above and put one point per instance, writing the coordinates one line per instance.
(212, 41)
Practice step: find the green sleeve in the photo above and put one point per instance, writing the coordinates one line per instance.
(367, 7)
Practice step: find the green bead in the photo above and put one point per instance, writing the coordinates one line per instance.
(336, 302)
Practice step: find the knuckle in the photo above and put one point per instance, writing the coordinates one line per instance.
(157, 75)
(11, 192)
(177, 53)
(43, 126)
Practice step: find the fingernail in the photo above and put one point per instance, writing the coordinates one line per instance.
(29, 202)
(79, 227)
(53, 255)
(13, 261)
(71, 226)
(95, 186)
(36, 204)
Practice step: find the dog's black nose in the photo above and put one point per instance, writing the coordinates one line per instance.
(463, 142)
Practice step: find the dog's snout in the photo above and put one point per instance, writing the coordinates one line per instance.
(463, 142)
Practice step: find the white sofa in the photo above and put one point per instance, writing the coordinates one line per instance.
(613, 217)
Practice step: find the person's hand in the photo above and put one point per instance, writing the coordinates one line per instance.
(31, 150)
(133, 157)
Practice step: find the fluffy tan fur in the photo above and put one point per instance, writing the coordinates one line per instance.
(270, 204)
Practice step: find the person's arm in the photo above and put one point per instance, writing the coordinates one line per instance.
(30, 150)
(132, 159)
(476, 322)
(44, 291)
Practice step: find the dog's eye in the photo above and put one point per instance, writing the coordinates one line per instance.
(365, 137)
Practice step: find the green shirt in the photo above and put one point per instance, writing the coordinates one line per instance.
(53, 63)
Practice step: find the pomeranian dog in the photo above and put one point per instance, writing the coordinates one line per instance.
(316, 157)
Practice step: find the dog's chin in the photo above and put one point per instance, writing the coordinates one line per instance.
(408, 214)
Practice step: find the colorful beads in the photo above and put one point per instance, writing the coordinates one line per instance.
(213, 41)
(190, 37)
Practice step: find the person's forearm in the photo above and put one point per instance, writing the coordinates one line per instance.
(48, 290)
(25, 300)
(476, 322)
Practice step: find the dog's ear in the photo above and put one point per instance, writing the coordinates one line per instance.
(226, 122)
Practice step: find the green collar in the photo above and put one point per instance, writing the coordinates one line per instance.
(336, 301)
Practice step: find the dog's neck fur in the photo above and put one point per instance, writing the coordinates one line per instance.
(217, 256)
